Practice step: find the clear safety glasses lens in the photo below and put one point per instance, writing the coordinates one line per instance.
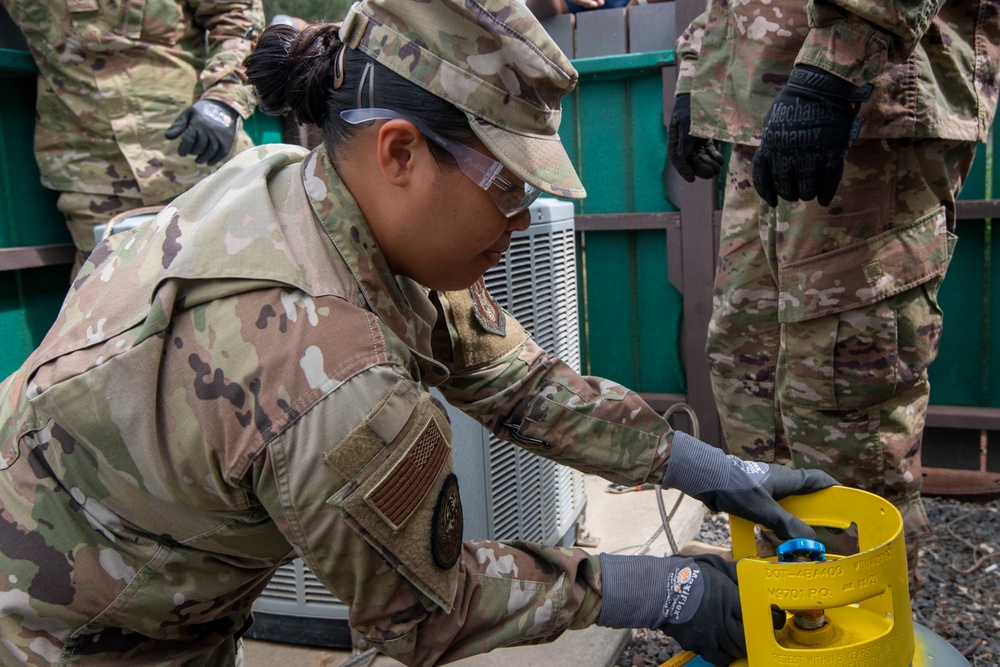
(513, 198)
(483, 170)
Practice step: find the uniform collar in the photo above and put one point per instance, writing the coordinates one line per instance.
(342, 220)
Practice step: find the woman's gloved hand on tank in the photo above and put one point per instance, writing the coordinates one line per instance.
(747, 489)
(695, 600)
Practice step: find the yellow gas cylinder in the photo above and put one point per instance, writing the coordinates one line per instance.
(842, 611)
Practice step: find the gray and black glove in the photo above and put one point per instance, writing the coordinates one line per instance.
(208, 128)
(807, 132)
(691, 156)
(747, 489)
(694, 600)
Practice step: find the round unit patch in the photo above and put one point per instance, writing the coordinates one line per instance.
(446, 528)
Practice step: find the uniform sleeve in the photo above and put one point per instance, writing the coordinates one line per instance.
(525, 396)
(362, 485)
(858, 41)
(232, 28)
(687, 52)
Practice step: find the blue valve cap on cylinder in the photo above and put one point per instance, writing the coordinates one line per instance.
(800, 547)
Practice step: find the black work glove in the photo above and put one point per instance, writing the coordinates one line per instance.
(747, 489)
(209, 128)
(691, 156)
(807, 132)
(694, 600)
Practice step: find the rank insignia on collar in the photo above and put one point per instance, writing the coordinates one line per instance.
(446, 528)
(488, 313)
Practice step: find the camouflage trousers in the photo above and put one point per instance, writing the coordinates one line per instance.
(87, 212)
(825, 319)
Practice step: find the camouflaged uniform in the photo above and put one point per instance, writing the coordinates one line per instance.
(242, 381)
(825, 319)
(112, 77)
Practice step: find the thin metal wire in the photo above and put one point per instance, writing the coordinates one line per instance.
(664, 516)
(695, 433)
(364, 658)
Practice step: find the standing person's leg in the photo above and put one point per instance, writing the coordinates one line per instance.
(744, 333)
(86, 212)
(858, 286)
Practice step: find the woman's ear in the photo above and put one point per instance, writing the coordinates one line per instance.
(399, 152)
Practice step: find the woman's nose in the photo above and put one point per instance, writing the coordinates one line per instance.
(520, 221)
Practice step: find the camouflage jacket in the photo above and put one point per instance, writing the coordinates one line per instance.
(242, 381)
(934, 65)
(113, 76)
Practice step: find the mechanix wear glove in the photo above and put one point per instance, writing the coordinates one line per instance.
(807, 132)
(691, 156)
(208, 128)
(694, 600)
(745, 488)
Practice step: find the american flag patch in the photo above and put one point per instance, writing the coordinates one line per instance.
(401, 492)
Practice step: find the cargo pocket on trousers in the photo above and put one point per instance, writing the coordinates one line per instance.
(841, 314)
(865, 272)
(405, 504)
(845, 361)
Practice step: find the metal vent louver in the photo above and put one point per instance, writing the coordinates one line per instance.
(533, 498)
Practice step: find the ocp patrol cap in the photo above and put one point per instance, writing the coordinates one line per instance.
(489, 58)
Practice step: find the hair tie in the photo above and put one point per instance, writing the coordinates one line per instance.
(369, 74)
(338, 68)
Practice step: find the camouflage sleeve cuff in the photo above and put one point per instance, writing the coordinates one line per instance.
(858, 41)
(685, 82)
(232, 27)
(222, 77)
(660, 459)
(237, 98)
(853, 49)
(687, 52)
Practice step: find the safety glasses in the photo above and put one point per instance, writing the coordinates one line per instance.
(484, 171)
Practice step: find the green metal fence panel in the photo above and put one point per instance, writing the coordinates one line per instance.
(613, 129)
(29, 298)
(991, 346)
(967, 371)
(975, 185)
(956, 375)
(263, 129)
(659, 307)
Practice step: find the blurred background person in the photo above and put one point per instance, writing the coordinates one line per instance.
(136, 103)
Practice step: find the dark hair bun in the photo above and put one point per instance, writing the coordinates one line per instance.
(292, 71)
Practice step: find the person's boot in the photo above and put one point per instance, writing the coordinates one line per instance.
(584, 538)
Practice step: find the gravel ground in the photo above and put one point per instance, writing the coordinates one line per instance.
(960, 598)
